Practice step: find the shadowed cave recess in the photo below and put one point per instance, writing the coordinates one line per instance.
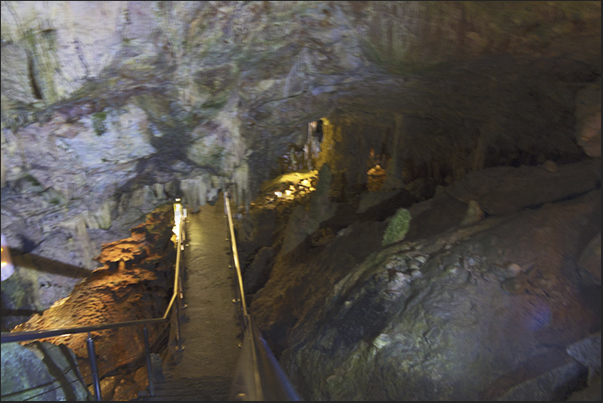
(417, 185)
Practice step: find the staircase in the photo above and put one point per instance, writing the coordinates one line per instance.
(206, 388)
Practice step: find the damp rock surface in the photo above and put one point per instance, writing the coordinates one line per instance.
(132, 284)
(462, 311)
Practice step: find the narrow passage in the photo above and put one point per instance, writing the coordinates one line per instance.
(209, 327)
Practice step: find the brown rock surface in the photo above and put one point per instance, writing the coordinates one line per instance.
(590, 259)
(505, 190)
(132, 284)
(486, 305)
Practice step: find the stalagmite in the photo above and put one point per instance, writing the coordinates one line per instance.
(195, 192)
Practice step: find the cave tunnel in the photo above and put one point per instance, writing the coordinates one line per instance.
(415, 191)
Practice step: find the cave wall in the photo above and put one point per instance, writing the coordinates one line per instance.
(110, 108)
(526, 114)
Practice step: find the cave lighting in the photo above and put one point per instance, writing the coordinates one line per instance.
(7, 265)
(288, 192)
(178, 216)
(278, 194)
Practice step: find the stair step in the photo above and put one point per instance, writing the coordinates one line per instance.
(197, 384)
(210, 388)
(178, 392)
(196, 398)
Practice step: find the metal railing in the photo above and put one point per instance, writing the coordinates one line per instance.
(258, 375)
(174, 304)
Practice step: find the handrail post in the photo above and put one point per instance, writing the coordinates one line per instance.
(179, 347)
(177, 288)
(181, 294)
(147, 352)
(93, 368)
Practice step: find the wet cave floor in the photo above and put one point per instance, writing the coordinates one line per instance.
(210, 328)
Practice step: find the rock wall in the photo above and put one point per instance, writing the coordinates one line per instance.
(460, 309)
(134, 282)
(112, 108)
(41, 371)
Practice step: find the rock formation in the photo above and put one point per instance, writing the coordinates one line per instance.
(110, 109)
(135, 282)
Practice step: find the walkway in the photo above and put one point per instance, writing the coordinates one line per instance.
(210, 326)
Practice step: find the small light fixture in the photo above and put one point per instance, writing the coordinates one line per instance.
(278, 194)
(7, 265)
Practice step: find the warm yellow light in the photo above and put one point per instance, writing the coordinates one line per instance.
(288, 192)
(3, 264)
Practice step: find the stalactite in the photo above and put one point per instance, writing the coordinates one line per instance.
(393, 178)
(195, 191)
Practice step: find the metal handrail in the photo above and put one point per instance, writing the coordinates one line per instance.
(268, 380)
(42, 334)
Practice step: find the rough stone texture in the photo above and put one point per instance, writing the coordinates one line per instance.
(108, 107)
(587, 351)
(41, 372)
(257, 273)
(467, 313)
(590, 259)
(133, 283)
(588, 119)
(554, 385)
(590, 394)
(303, 221)
(505, 190)
(370, 199)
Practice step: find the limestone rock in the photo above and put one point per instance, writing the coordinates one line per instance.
(369, 199)
(107, 385)
(590, 393)
(504, 190)
(115, 292)
(99, 97)
(474, 213)
(41, 371)
(556, 384)
(110, 136)
(126, 389)
(587, 351)
(258, 271)
(590, 259)
(397, 227)
(195, 192)
(103, 101)
(550, 166)
(588, 119)
(303, 222)
(432, 326)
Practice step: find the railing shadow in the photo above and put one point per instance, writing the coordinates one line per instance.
(40, 263)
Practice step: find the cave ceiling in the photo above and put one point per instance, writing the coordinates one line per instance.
(220, 90)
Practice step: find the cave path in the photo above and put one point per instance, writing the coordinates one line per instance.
(209, 328)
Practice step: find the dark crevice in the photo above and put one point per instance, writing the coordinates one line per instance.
(32, 79)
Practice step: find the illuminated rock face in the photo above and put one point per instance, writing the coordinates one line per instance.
(133, 283)
(111, 108)
(456, 311)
